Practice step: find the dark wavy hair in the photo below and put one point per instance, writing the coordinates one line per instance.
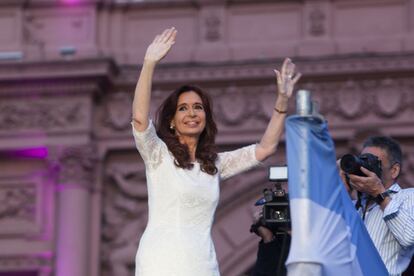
(206, 152)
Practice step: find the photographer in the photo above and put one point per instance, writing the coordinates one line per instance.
(387, 210)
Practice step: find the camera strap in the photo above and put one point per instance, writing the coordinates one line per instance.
(362, 203)
(367, 202)
(358, 203)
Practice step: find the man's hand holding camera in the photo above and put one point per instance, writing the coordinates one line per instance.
(370, 184)
(365, 174)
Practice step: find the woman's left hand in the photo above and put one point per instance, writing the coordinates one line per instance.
(286, 79)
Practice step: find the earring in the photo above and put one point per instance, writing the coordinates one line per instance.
(171, 127)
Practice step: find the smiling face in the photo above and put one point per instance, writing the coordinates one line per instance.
(190, 117)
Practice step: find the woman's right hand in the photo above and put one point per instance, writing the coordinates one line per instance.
(161, 45)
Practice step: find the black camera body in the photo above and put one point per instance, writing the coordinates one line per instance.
(275, 202)
(276, 212)
(351, 164)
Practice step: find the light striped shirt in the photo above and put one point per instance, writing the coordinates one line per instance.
(392, 230)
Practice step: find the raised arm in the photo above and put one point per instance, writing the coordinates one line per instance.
(155, 52)
(286, 80)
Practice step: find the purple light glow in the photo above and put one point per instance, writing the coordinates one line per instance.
(71, 2)
(40, 152)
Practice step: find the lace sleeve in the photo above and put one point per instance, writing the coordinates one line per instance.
(237, 161)
(149, 145)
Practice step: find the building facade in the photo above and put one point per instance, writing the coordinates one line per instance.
(72, 184)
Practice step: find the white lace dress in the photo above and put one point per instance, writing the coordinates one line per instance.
(177, 240)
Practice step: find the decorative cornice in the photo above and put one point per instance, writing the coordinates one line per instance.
(178, 3)
(62, 69)
(262, 1)
(127, 4)
(22, 262)
(88, 76)
(247, 108)
(54, 3)
(50, 87)
(344, 66)
(45, 114)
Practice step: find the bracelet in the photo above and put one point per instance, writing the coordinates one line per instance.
(280, 111)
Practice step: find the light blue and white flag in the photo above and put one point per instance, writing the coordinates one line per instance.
(328, 236)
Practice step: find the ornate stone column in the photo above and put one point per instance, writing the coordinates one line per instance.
(73, 216)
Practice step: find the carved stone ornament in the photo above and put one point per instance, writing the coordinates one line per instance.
(18, 202)
(41, 114)
(119, 112)
(31, 37)
(232, 108)
(355, 99)
(352, 103)
(212, 23)
(25, 200)
(77, 166)
(317, 22)
(388, 102)
(124, 216)
(248, 71)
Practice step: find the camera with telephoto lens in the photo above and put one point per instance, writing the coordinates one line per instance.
(275, 202)
(352, 164)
